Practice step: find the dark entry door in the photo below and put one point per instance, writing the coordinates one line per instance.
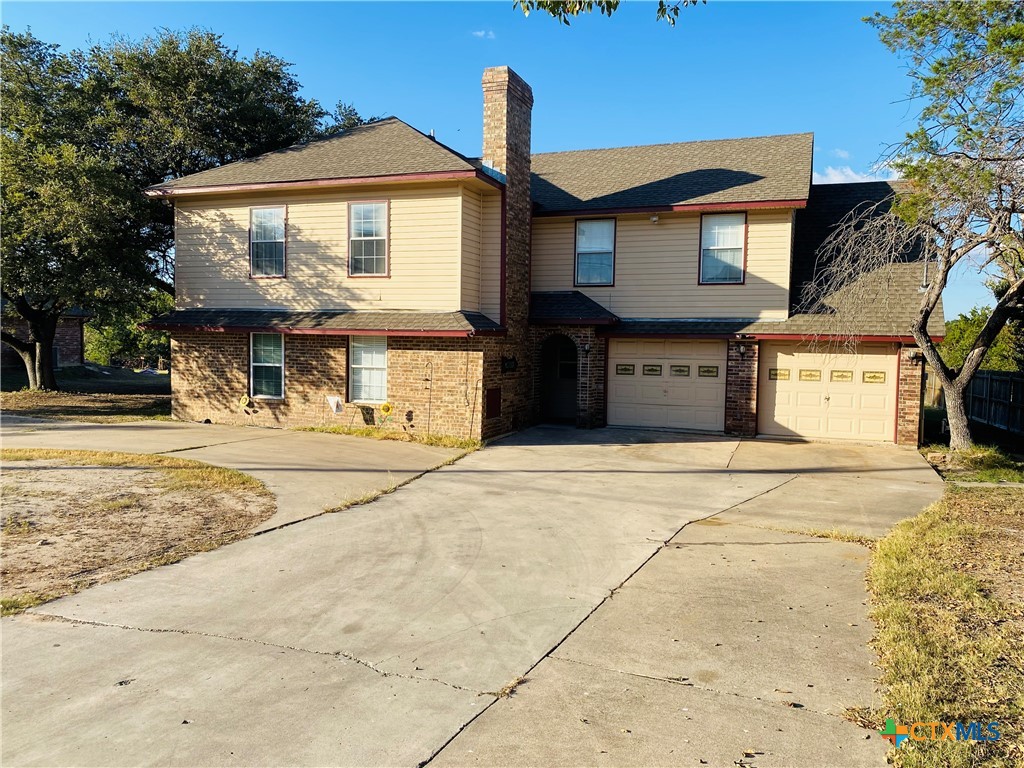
(559, 370)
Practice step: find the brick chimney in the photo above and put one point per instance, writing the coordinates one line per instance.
(508, 103)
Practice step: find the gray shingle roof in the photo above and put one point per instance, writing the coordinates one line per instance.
(763, 169)
(337, 321)
(567, 308)
(387, 147)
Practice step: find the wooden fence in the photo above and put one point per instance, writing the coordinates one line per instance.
(994, 398)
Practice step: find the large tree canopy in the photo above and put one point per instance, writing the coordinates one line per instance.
(84, 132)
(963, 166)
(566, 10)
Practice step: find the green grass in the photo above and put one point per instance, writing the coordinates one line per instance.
(950, 636)
(377, 433)
(978, 464)
(179, 474)
(9, 606)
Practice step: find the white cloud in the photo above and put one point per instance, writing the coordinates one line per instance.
(844, 174)
(842, 154)
(484, 34)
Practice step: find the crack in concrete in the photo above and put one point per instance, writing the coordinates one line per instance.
(664, 543)
(686, 683)
(214, 445)
(193, 633)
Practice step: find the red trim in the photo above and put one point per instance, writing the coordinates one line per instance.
(700, 253)
(284, 275)
(626, 334)
(576, 254)
(689, 207)
(388, 179)
(387, 239)
(504, 255)
(317, 331)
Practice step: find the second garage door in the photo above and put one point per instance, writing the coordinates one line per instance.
(670, 384)
(807, 392)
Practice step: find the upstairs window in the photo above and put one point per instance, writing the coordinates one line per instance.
(368, 369)
(721, 248)
(266, 242)
(266, 365)
(368, 239)
(595, 252)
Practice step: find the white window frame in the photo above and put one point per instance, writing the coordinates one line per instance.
(576, 260)
(386, 238)
(253, 365)
(743, 249)
(283, 240)
(355, 341)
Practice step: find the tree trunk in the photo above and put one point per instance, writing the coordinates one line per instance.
(956, 415)
(42, 332)
(27, 352)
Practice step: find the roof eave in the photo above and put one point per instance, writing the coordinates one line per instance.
(159, 191)
(682, 207)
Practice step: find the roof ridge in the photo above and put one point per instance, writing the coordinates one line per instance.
(675, 143)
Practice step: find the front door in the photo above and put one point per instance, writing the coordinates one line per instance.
(559, 373)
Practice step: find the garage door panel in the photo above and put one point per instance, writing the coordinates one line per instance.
(835, 401)
(665, 400)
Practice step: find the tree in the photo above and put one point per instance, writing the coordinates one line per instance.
(119, 340)
(1005, 354)
(85, 132)
(963, 168)
(565, 10)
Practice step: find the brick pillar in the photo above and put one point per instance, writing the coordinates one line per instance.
(908, 408)
(508, 104)
(741, 388)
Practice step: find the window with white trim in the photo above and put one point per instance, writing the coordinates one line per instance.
(266, 242)
(266, 365)
(721, 243)
(595, 252)
(368, 369)
(368, 239)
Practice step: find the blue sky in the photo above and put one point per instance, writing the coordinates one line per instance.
(726, 69)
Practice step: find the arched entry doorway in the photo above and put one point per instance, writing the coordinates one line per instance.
(559, 370)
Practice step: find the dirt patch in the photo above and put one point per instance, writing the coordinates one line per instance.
(84, 406)
(67, 526)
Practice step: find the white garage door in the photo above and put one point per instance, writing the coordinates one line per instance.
(808, 392)
(667, 384)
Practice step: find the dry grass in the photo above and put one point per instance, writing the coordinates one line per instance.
(179, 474)
(977, 464)
(376, 433)
(947, 592)
(87, 407)
(508, 689)
(835, 534)
(72, 519)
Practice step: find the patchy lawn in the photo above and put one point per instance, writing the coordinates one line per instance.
(72, 519)
(979, 464)
(377, 433)
(947, 593)
(92, 394)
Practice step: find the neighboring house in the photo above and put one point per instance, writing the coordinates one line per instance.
(68, 343)
(653, 286)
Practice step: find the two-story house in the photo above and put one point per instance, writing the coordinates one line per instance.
(380, 277)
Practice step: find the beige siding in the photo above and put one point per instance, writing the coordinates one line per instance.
(471, 213)
(426, 229)
(656, 267)
(490, 257)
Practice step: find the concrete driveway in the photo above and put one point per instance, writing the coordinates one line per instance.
(307, 471)
(374, 636)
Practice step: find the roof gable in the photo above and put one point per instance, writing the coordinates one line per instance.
(387, 147)
(722, 172)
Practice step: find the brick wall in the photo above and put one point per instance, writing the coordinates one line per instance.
(908, 396)
(434, 385)
(67, 342)
(741, 389)
(508, 361)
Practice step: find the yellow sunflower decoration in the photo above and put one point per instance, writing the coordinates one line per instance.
(386, 409)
